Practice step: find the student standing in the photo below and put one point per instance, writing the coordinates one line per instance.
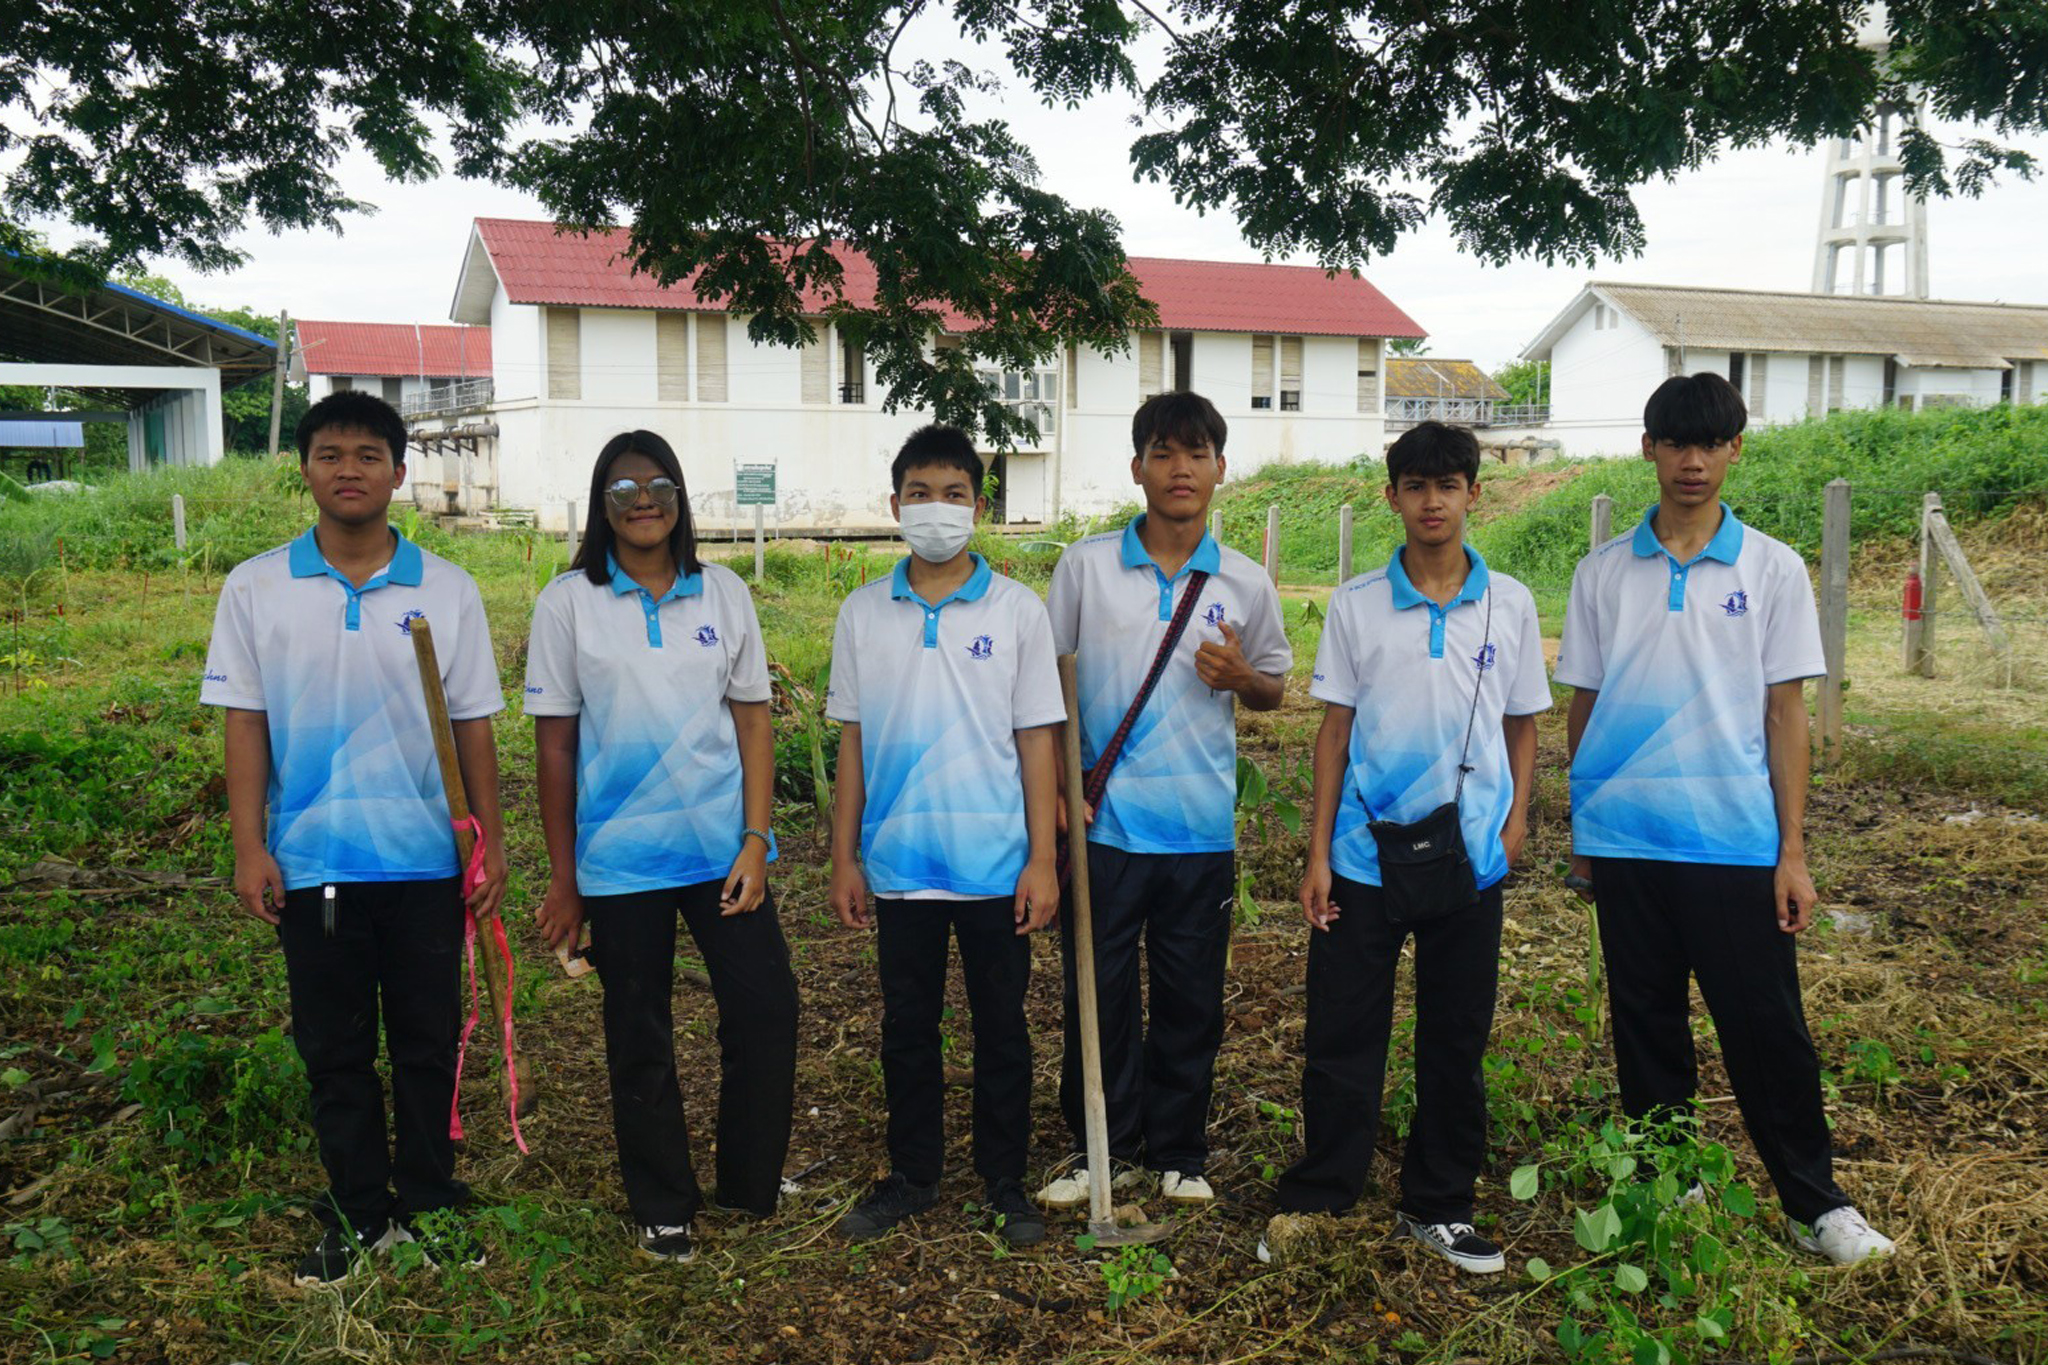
(1161, 847)
(327, 736)
(1688, 641)
(648, 685)
(944, 678)
(1431, 671)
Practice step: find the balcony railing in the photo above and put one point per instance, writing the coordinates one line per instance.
(1466, 412)
(440, 398)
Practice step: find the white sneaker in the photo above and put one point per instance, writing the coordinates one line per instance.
(1070, 1191)
(1843, 1237)
(1264, 1253)
(1695, 1193)
(1185, 1189)
(1458, 1243)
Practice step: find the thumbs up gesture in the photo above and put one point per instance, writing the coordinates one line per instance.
(1222, 667)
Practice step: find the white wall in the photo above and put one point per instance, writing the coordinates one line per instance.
(617, 351)
(1599, 380)
(516, 352)
(1977, 388)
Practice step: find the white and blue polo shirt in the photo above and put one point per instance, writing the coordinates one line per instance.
(1408, 667)
(939, 690)
(355, 789)
(1174, 790)
(659, 790)
(1672, 765)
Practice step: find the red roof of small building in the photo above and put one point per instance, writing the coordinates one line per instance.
(540, 265)
(434, 350)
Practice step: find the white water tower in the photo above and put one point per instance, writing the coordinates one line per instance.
(1873, 233)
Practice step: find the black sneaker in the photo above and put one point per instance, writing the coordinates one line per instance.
(1456, 1243)
(1019, 1220)
(889, 1203)
(668, 1243)
(340, 1253)
(443, 1240)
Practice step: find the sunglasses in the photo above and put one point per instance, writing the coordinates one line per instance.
(624, 493)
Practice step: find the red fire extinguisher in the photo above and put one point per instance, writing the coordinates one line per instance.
(1912, 603)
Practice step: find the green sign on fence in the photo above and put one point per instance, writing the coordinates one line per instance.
(755, 484)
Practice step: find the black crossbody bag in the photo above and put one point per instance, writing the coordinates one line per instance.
(1425, 872)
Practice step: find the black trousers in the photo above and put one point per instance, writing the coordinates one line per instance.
(396, 953)
(633, 947)
(1156, 1080)
(1663, 922)
(995, 962)
(1351, 1017)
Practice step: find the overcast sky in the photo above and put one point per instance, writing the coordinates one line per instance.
(1747, 221)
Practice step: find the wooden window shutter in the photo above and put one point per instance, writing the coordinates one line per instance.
(817, 366)
(1368, 375)
(1816, 377)
(1073, 372)
(565, 353)
(711, 334)
(1262, 372)
(1759, 373)
(1290, 374)
(1836, 364)
(1151, 363)
(672, 357)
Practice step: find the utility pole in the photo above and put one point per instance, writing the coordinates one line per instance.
(284, 341)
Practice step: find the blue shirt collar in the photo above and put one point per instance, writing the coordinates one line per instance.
(1726, 545)
(1405, 594)
(1208, 556)
(973, 590)
(405, 568)
(686, 585)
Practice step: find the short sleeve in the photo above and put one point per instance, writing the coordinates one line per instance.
(842, 693)
(233, 677)
(1063, 604)
(1336, 673)
(471, 675)
(1529, 685)
(1035, 696)
(1580, 662)
(1264, 635)
(1790, 635)
(552, 685)
(748, 679)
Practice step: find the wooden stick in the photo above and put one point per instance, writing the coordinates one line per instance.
(1082, 917)
(465, 840)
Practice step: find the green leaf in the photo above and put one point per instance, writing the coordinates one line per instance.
(1537, 1268)
(1738, 1200)
(1596, 1231)
(1630, 1279)
(1708, 1329)
(1084, 1242)
(14, 1077)
(1522, 1184)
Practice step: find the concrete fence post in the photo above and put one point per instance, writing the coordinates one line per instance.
(1603, 519)
(1216, 526)
(1273, 543)
(178, 519)
(1930, 560)
(1834, 613)
(1344, 543)
(574, 528)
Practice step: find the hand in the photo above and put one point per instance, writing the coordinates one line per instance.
(1316, 904)
(1792, 889)
(1583, 868)
(1513, 835)
(483, 902)
(1059, 813)
(259, 885)
(560, 915)
(1223, 668)
(849, 894)
(1038, 895)
(746, 886)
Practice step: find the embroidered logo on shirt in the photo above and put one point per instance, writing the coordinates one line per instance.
(216, 677)
(533, 691)
(982, 648)
(405, 621)
(1483, 660)
(706, 636)
(1213, 614)
(1736, 603)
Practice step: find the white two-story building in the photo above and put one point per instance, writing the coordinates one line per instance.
(1792, 356)
(582, 348)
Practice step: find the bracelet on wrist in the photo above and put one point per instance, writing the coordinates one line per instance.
(767, 839)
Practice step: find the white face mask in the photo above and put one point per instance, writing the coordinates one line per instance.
(936, 531)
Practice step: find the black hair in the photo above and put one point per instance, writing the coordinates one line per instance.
(936, 447)
(594, 555)
(1695, 410)
(352, 410)
(1432, 450)
(1181, 416)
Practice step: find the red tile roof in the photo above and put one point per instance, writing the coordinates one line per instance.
(436, 350)
(539, 265)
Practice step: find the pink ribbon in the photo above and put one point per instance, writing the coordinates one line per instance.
(472, 878)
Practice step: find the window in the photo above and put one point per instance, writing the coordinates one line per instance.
(1368, 375)
(1151, 364)
(1290, 374)
(853, 372)
(1073, 372)
(1735, 369)
(672, 357)
(2005, 384)
(565, 353)
(1891, 380)
(816, 369)
(1262, 373)
(711, 337)
(1183, 361)
(394, 391)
